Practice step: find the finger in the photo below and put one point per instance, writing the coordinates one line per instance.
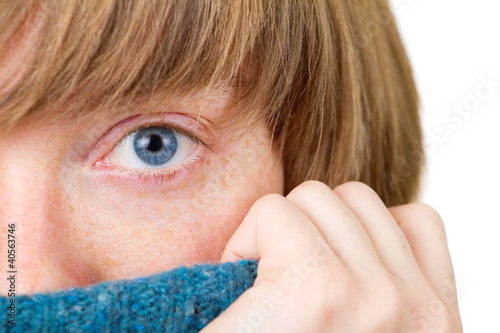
(424, 230)
(383, 231)
(292, 252)
(338, 225)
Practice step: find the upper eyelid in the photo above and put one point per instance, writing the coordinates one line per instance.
(174, 128)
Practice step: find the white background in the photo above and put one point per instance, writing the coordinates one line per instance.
(452, 44)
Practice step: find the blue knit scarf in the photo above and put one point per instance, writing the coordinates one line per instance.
(180, 300)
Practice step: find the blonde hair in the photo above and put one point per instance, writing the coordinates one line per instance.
(330, 77)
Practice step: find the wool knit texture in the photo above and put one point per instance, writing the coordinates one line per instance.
(184, 299)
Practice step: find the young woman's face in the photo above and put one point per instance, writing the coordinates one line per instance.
(91, 203)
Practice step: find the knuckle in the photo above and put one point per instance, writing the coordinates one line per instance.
(438, 316)
(327, 292)
(271, 207)
(309, 186)
(390, 311)
(445, 324)
(423, 209)
(270, 200)
(353, 188)
(433, 317)
(334, 297)
(426, 216)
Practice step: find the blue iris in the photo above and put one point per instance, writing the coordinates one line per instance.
(155, 145)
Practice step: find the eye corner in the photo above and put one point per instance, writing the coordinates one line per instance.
(101, 163)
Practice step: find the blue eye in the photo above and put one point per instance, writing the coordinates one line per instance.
(155, 145)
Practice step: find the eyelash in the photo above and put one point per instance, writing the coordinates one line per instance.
(159, 177)
(171, 127)
(167, 175)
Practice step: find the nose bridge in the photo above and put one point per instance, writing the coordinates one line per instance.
(30, 201)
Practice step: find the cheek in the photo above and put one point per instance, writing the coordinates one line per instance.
(128, 243)
(115, 239)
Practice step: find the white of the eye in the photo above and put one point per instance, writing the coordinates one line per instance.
(123, 154)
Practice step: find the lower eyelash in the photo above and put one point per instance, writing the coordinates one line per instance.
(159, 177)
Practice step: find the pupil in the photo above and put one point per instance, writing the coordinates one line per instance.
(155, 143)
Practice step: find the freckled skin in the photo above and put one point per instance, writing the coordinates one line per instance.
(76, 229)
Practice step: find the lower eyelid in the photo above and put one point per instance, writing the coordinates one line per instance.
(177, 174)
(159, 177)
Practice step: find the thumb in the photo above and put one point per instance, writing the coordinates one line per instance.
(280, 235)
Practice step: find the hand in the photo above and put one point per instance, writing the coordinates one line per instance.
(340, 261)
